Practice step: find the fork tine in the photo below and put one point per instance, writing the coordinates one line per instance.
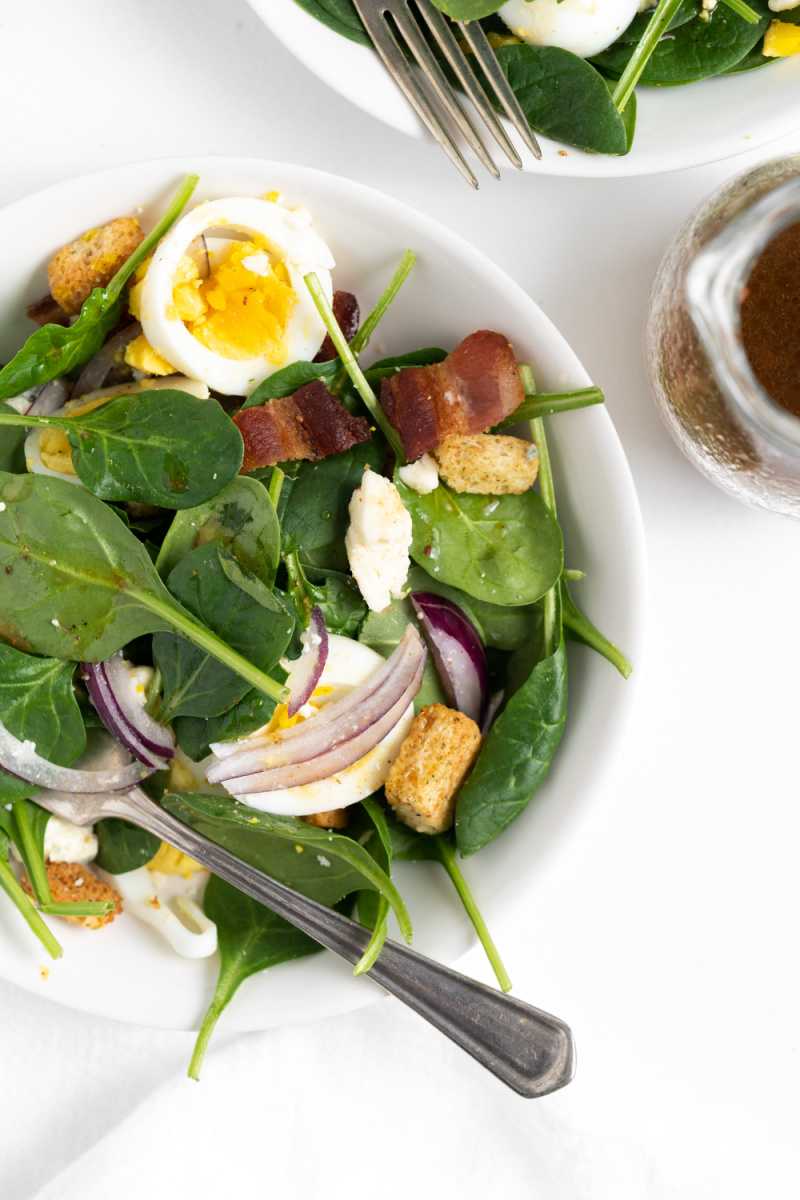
(443, 33)
(493, 72)
(386, 45)
(439, 82)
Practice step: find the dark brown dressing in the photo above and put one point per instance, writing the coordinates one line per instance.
(770, 315)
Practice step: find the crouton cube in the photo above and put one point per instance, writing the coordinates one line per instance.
(72, 881)
(91, 261)
(441, 746)
(486, 463)
(336, 818)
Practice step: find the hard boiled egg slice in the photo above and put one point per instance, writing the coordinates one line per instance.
(48, 452)
(349, 664)
(585, 27)
(252, 314)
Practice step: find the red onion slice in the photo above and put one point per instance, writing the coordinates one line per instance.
(113, 695)
(50, 397)
(110, 355)
(491, 711)
(457, 651)
(306, 670)
(21, 759)
(338, 722)
(335, 760)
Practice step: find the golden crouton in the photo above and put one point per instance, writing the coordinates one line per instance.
(490, 464)
(336, 818)
(440, 748)
(72, 881)
(91, 261)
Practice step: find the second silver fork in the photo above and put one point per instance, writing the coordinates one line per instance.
(374, 15)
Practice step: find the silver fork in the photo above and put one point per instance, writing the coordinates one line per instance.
(529, 1050)
(374, 12)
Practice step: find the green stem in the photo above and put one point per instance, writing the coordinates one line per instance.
(196, 633)
(154, 692)
(662, 15)
(11, 887)
(550, 600)
(78, 908)
(351, 365)
(567, 573)
(375, 944)
(447, 855)
(298, 586)
(275, 484)
(361, 340)
(547, 403)
(203, 1038)
(744, 11)
(31, 854)
(174, 210)
(584, 631)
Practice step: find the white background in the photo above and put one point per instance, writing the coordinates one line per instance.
(663, 925)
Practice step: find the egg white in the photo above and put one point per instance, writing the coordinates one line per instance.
(349, 664)
(585, 27)
(289, 238)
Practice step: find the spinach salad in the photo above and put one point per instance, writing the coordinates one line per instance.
(573, 67)
(175, 582)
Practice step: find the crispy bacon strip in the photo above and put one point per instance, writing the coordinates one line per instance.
(47, 311)
(310, 424)
(347, 313)
(473, 389)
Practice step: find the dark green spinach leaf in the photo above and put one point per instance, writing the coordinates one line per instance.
(288, 380)
(12, 444)
(339, 15)
(123, 847)
(241, 517)
(195, 734)
(241, 610)
(504, 549)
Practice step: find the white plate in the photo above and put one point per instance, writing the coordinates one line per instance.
(676, 127)
(125, 971)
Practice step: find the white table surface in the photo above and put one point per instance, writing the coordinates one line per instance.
(664, 921)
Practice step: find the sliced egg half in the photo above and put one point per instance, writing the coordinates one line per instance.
(585, 27)
(349, 664)
(48, 452)
(252, 313)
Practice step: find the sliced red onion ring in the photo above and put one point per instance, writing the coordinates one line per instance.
(113, 695)
(110, 355)
(457, 651)
(306, 670)
(363, 718)
(491, 711)
(49, 398)
(338, 722)
(21, 759)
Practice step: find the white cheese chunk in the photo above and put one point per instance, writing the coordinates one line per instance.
(422, 476)
(378, 540)
(68, 843)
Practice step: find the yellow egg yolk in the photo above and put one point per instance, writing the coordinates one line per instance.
(242, 308)
(54, 448)
(171, 861)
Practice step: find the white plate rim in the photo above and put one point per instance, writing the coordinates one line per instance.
(356, 73)
(631, 594)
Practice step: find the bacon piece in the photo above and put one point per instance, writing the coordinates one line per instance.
(346, 310)
(309, 424)
(473, 389)
(47, 311)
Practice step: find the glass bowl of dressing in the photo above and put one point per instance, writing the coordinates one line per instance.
(722, 337)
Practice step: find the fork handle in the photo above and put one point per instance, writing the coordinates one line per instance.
(529, 1050)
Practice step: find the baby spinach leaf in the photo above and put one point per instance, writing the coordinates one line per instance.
(563, 97)
(288, 380)
(581, 629)
(342, 606)
(241, 517)
(251, 938)
(638, 27)
(373, 907)
(468, 10)
(72, 577)
(37, 704)
(415, 358)
(515, 756)
(258, 626)
(163, 447)
(316, 516)
(326, 867)
(504, 549)
(340, 16)
(195, 734)
(54, 350)
(12, 444)
(695, 49)
(123, 847)
(506, 628)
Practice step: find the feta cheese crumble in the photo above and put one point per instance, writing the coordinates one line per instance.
(422, 476)
(378, 540)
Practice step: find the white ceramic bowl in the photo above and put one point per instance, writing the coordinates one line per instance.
(126, 971)
(676, 127)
